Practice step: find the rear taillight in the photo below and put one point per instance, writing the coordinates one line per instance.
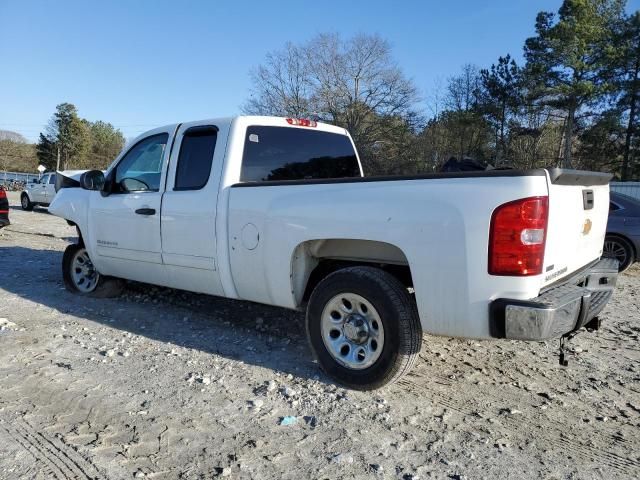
(517, 237)
(302, 122)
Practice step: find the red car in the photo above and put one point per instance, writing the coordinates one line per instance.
(4, 208)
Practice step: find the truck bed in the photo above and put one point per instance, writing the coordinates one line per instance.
(438, 222)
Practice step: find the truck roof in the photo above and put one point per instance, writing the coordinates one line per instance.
(246, 120)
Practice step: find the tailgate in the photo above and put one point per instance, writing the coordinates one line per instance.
(578, 213)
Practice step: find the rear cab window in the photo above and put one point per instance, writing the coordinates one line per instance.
(286, 153)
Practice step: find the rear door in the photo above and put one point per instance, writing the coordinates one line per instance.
(189, 207)
(578, 212)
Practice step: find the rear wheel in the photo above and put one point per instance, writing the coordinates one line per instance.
(81, 277)
(620, 249)
(363, 327)
(25, 202)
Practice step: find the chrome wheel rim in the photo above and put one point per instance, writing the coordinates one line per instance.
(352, 331)
(83, 273)
(25, 201)
(615, 250)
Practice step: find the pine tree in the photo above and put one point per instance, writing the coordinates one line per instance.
(567, 57)
(501, 95)
(46, 151)
(72, 135)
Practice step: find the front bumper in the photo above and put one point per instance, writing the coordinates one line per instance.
(559, 310)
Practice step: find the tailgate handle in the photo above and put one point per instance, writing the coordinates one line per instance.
(587, 199)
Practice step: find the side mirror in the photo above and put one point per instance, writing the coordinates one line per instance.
(92, 180)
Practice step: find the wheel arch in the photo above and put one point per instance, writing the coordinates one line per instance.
(80, 236)
(313, 260)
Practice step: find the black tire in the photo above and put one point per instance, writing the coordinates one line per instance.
(621, 249)
(106, 287)
(397, 312)
(25, 203)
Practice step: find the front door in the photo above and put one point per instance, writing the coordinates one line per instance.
(124, 221)
(50, 189)
(39, 190)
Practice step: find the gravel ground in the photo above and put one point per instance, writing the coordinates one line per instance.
(165, 384)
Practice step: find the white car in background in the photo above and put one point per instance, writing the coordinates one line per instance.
(39, 192)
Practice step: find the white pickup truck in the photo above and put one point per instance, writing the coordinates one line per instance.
(39, 192)
(277, 211)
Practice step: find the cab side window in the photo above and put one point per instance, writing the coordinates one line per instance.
(140, 169)
(52, 179)
(195, 158)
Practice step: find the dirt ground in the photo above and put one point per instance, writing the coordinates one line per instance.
(165, 384)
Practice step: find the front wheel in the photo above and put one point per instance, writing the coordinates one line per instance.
(363, 327)
(81, 277)
(25, 203)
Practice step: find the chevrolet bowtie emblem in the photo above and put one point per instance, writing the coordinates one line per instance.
(586, 228)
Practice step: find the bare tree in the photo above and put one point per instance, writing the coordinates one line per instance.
(432, 141)
(466, 128)
(282, 85)
(352, 83)
(463, 90)
(535, 135)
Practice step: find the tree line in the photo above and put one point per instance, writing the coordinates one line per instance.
(572, 103)
(71, 142)
(16, 154)
(68, 142)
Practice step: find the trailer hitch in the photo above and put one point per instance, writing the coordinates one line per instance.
(592, 326)
(564, 347)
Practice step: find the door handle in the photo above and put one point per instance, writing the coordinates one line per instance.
(146, 211)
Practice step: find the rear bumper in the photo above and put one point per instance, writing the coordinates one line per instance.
(558, 311)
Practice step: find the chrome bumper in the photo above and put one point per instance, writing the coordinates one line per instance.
(559, 310)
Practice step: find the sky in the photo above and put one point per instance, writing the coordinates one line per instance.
(141, 64)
